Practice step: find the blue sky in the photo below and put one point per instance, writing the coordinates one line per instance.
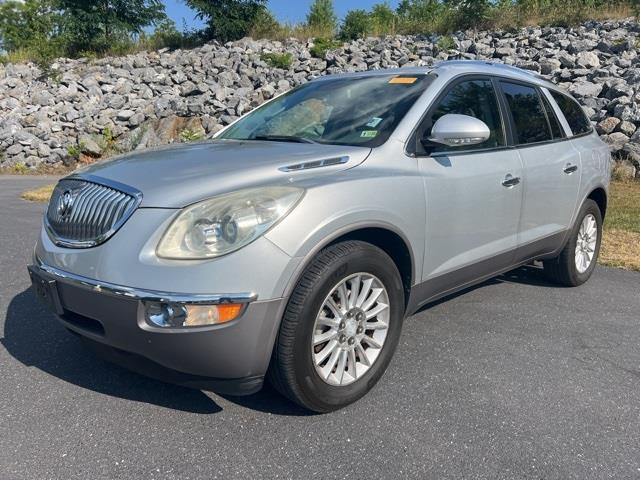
(285, 10)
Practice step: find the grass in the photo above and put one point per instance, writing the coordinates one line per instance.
(621, 240)
(277, 60)
(41, 194)
(322, 45)
(42, 169)
(620, 244)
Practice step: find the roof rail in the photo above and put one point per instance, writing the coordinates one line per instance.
(498, 65)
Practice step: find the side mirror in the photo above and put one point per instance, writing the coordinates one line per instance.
(458, 131)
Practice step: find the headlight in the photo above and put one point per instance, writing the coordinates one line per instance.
(227, 223)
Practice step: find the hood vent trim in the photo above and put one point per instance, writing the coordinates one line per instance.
(329, 162)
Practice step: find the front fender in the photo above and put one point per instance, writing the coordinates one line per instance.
(329, 211)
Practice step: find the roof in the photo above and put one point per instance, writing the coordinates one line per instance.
(453, 68)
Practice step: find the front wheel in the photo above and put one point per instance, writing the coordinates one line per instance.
(578, 258)
(340, 328)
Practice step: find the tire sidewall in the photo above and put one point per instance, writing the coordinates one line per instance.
(589, 207)
(323, 396)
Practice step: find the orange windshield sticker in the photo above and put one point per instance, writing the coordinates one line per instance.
(404, 80)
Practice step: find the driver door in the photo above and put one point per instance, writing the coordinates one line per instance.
(473, 193)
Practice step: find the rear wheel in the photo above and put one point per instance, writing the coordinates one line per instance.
(340, 328)
(578, 258)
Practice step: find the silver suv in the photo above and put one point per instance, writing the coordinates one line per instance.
(294, 244)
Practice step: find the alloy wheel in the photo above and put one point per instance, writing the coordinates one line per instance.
(586, 243)
(350, 329)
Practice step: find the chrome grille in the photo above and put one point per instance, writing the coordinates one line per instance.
(83, 213)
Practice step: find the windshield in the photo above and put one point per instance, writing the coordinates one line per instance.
(359, 111)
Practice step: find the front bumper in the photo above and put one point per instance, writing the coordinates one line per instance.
(228, 358)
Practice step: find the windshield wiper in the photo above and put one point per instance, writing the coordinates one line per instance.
(283, 138)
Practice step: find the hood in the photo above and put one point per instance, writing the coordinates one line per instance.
(176, 176)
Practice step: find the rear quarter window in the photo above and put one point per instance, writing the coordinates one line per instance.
(572, 111)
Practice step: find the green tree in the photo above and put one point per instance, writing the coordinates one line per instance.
(420, 16)
(322, 18)
(25, 24)
(469, 13)
(357, 24)
(383, 19)
(228, 19)
(96, 25)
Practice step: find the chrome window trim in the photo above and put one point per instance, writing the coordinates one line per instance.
(69, 243)
(141, 294)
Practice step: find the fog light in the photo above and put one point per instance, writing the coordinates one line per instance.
(174, 315)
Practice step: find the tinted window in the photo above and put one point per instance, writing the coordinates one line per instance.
(475, 98)
(528, 113)
(556, 129)
(574, 114)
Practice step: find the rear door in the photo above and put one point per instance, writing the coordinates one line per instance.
(473, 193)
(551, 169)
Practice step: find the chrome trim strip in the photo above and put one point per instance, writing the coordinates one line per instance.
(67, 243)
(141, 294)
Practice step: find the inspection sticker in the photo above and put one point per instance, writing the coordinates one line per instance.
(369, 134)
(374, 122)
(404, 80)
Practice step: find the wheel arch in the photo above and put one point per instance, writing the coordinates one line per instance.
(599, 195)
(383, 236)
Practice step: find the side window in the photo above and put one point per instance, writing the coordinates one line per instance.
(475, 98)
(556, 128)
(576, 118)
(528, 113)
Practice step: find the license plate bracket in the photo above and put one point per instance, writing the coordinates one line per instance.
(46, 290)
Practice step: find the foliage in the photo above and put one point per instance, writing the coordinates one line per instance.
(20, 168)
(446, 43)
(422, 16)
(469, 13)
(42, 30)
(383, 19)
(107, 143)
(322, 45)
(96, 25)
(166, 35)
(266, 25)
(189, 135)
(25, 32)
(278, 60)
(22, 24)
(357, 24)
(75, 150)
(227, 19)
(322, 18)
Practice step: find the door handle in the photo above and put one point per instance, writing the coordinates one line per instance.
(510, 181)
(569, 169)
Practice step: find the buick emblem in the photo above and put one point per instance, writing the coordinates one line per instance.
(65, 204)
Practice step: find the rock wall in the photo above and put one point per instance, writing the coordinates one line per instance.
(93, 108)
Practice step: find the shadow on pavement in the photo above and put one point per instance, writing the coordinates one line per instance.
(34, 337)
(527, 275)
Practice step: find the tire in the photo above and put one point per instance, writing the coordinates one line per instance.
(564, 268)
(295, 371)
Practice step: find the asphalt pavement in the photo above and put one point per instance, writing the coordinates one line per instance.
(513, 379)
